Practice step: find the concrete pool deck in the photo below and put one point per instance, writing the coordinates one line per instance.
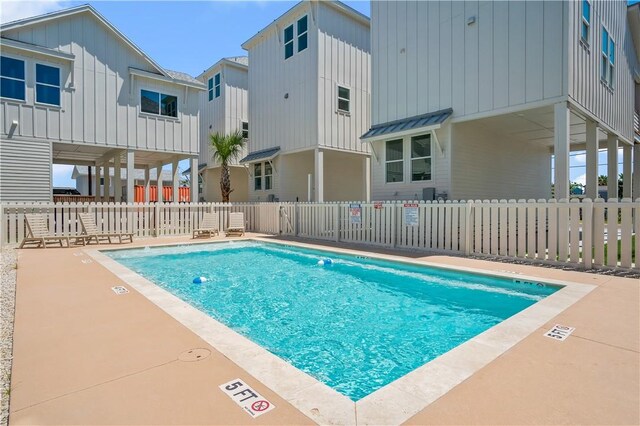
(83, 355)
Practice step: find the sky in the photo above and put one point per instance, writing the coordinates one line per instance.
(190, 36)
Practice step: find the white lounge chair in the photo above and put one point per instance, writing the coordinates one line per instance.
(90, 231)
(236, 224)
(38, 232)
(209, 225)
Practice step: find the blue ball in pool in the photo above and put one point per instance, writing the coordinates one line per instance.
(199, 280)
(328, 261)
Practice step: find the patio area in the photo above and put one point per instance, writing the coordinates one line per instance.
(84, 355)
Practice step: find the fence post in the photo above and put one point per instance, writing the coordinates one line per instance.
(297, 218)
(467, 227)
(393, 224)
(336, 218)
(157, 218)
(587, 233)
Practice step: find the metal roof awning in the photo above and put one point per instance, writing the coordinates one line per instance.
(201, 167)
(262, 155)
(426, 122)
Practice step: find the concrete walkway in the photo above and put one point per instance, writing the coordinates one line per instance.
(83, 355)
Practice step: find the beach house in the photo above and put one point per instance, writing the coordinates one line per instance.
(489, 99)
(309, 94)
(77, 91)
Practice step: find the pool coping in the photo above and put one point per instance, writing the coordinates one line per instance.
(394, 403)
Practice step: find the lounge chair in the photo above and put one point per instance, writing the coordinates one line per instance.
(236, 224)
(90, 231)
(209, 225)
(38, 232)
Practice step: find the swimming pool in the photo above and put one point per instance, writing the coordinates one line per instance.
(356, 324)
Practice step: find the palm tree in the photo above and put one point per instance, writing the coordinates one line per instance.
(602, 180)
(226, 148)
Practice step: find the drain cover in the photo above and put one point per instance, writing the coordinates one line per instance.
(197, 354)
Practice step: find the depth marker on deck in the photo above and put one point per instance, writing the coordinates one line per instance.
(559, 332)
(119, 289)
(248, 399)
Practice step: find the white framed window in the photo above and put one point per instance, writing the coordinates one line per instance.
(612, 62)
(158, 103)
(288, 42)
(394, 161)
(257, 176)
(47, 84)
(268, 176)
(12, 78)
(216, 85)
(608, 59)
(344, 99)
(245, 130)
(585, 28)
(210, 88)
(421, 158)
(302, 33)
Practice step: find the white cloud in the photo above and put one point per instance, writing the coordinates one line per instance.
(580, 158)
(12, 10)
(581, 179)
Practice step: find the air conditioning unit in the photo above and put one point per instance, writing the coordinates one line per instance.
(428, 194)
(271, 198)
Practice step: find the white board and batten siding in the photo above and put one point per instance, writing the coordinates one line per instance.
(474, 57)
(283, 107)
(294, 102)
(344, 59)
(98, 104)
(225, 113)
(612, 107)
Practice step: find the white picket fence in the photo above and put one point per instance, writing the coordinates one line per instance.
(142, 219)
(588, 234)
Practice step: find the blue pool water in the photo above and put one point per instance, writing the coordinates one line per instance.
(356, 325)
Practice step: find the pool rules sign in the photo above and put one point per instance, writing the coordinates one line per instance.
(248, 399)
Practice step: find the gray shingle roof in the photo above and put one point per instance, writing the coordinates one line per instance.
(181, 76)
(418, 121)
(265, 154)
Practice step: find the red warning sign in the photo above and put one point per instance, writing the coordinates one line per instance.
(260, 405)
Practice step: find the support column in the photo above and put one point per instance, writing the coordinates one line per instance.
(612, 167)
(592, 160)
(131, 176)
(159, 183)
(175, 173)
(147, 184)
(97, 184)
(561, 150)
(319, 176)
(367, 178)
(107, 183)
(635, 186)
(194, 180)
(117, 178)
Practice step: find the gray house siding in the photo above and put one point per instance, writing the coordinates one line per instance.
(25, 180)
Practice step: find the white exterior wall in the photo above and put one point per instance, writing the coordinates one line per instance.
(25, 170)
(343, 59)
(239, 184)
(226, 113)
(407, 190)
(101, 108)
(613, 107)
(290, 123)
(485, 165)
(426, 58)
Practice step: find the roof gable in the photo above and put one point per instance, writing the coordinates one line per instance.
(84, 9)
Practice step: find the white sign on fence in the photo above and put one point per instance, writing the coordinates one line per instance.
(251, 401)
(410, 214)
(355, 212)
